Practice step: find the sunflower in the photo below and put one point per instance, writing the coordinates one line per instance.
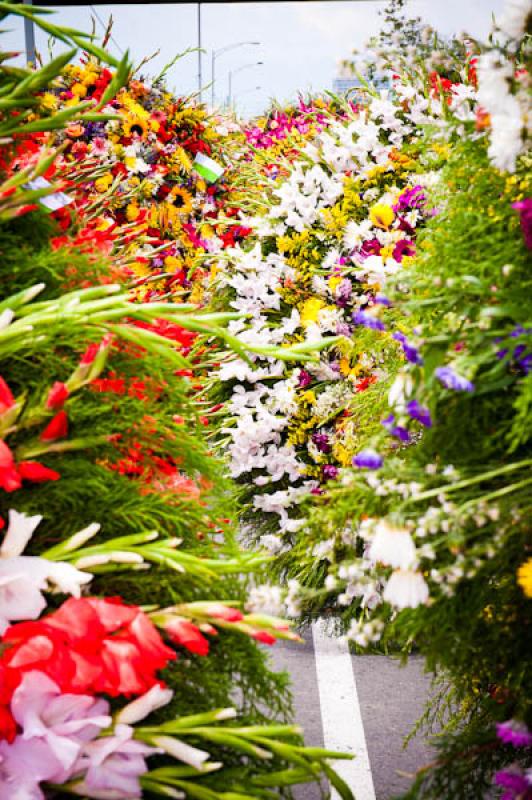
(181, 199)
(135, 126)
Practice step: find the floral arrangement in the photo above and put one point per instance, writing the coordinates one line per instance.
(122, 644)
(424, 542)
(337, 230)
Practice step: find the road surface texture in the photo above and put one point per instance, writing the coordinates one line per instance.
(360, 704)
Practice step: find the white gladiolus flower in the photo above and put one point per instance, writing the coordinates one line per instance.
(19, 532)
(138, 709)
(392, 546)
(183, 752)
(406, 589)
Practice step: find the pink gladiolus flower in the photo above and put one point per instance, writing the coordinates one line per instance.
(112, 765)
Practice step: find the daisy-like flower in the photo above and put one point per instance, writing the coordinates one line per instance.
(392, 546)
(406, 589)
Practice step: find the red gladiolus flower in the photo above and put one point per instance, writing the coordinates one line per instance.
(57, 428)
(10, 479)
(57, 395)
(118, 640)
(221, 611)
(183, 632)
(263, 637)
(7, 400)
(36, 472)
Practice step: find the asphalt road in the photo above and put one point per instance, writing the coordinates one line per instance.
(390, 698)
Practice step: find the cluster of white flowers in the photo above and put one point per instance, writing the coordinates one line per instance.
(503, 92)
(267, 394)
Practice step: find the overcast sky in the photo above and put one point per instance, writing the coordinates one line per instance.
(300, 43)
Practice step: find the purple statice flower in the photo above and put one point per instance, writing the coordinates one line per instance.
(343, 293)
(343, 329)
(515, 733)
(404, 247)
(329, 472)
(395, 430)
(525, 217)
(451, 380)
(305, 379)
(411, 352)
(410, 198)
(383, 301)
(513, 780)
(420, 413)
(368, 459)
(368, 321)
(321, 440)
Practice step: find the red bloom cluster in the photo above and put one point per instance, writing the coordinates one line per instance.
(88, 646)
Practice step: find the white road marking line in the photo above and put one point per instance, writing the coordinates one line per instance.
(340, 710)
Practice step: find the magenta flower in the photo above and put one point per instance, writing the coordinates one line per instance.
(321, 440)
(410, 198)
(329, 472)
(524, 207)
(515, 733)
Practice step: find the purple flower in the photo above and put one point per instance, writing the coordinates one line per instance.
(383, 301)
(321, 440)
(368, 321)
(305, 379)
(411, 352)
(419, 412)
(451, 380)
(515, 733)
(343, 292)
(411, 198)
(368, 459)
(396, 430)
(525, 217)
(329, 472)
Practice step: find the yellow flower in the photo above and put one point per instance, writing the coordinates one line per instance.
(308, 397)
(382, 215)
(310, 310)
(181, 199)
(387, 252)
(132, 212)
(135, 126)
(48, 101)
(524, 577)
(102, 184)
(334, 282)
(172, 263)
(79, 90)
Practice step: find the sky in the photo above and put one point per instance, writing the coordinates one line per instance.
(300, 43)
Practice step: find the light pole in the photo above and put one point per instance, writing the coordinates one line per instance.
(219, 52)
(235, 72)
